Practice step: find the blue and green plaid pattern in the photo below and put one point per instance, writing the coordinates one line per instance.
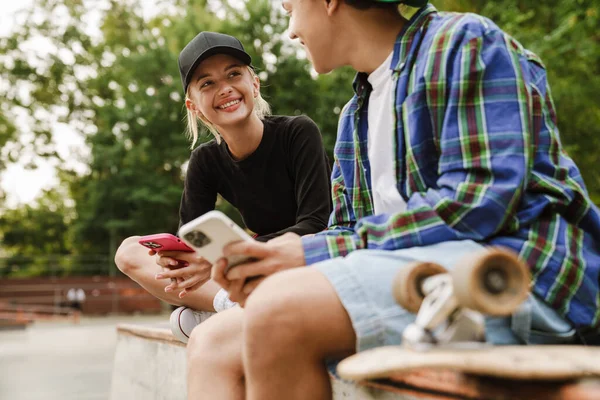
(478, 157)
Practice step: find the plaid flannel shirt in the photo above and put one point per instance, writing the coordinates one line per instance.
(478, 156)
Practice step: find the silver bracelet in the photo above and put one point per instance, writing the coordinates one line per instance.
(221, 301)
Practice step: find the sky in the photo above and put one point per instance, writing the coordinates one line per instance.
(22, 185)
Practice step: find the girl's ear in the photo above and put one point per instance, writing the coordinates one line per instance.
(190, 105)
(256, 84)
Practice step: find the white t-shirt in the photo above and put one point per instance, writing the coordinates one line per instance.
(386, 198)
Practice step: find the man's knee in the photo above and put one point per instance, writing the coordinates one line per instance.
(274, 311)
(299, 313)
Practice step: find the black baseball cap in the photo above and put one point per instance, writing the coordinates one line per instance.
(204, 45)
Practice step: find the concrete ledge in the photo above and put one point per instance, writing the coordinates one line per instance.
(156, 334)
(150, 364)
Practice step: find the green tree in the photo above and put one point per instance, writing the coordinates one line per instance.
(120, 89)
(35, 240)
(128, 103)
(39, 228)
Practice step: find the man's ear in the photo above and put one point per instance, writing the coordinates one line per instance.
(331, 6)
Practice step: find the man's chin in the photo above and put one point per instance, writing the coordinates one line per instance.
(322, 69)
(324, 65)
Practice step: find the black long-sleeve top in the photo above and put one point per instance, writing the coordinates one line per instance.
(282, 187)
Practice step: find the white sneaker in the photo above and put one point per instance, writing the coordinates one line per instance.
(221, 301)
(183, 321)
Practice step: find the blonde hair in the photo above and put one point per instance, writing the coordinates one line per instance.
(262, 109)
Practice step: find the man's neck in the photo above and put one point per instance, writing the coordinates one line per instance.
(373, 39)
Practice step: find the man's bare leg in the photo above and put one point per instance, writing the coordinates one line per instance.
(133, 260)
(293, 321)
(214, 358)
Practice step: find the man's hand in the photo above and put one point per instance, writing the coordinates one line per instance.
(281, 253)
(187, 271)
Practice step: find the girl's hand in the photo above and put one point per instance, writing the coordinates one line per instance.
(186, 270)
(171, 259)
(169, 262)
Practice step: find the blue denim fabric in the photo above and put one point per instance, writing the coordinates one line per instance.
(363, 282)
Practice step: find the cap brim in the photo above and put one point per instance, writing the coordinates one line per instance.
(232, 51)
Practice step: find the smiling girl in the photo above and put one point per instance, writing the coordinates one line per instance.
(273, 169)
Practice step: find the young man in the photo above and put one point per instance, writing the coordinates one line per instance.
(450, 144)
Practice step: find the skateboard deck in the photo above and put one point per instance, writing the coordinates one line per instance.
(451, 385)
(542, 363)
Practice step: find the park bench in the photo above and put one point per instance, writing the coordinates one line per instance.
(23, 314)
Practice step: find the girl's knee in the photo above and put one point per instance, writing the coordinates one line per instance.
(201, 340)
(216, 338)
(124, 255)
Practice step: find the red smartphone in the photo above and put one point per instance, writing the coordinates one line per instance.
(164, 242)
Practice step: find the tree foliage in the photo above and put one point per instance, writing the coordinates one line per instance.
(119, 87)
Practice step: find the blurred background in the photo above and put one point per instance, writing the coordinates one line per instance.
(92, 144)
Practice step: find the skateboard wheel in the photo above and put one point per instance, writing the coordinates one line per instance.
(494, 282)
(407, 287)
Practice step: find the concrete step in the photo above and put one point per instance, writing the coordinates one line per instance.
(150, 364)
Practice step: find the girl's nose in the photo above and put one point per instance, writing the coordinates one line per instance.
(225, 89)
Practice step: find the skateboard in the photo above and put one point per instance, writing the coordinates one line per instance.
(549, 363)
(444, 351)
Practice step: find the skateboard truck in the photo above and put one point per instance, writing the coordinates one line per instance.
(450, 305)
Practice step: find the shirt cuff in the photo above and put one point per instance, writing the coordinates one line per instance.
(315, 248)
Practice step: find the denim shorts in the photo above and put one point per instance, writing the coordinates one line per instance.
(363, 282)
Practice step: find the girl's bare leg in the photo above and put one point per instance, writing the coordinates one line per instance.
(133, 260)
(214, 357)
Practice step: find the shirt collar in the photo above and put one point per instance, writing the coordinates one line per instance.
(405, 38)
(360, 84)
